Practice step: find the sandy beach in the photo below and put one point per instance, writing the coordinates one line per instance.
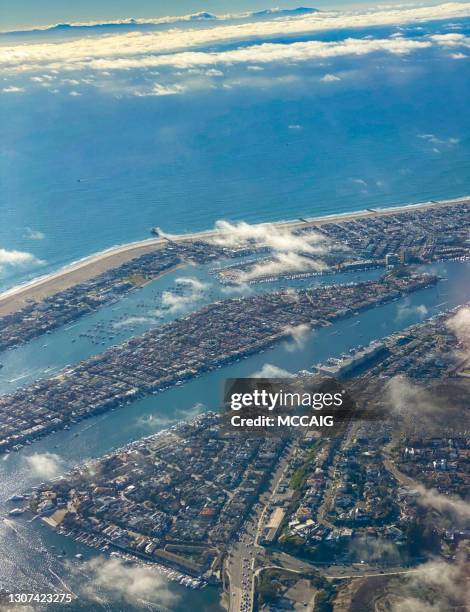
(41, 287)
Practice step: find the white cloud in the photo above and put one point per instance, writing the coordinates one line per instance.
(194, 283)
(330, 78)
(278, 238)
(17, 259)
(294, 126)
(46, 465)
(291, 252)
(446, 504)
(130, 321)
(213, 72)
(272, 371)
(262, 53)
(174, 301)
(451, 40)
(238, 289)
(359, 181)
(12, 89)
(122, 50)
(133, 583)
(74, 94)
(407, 398)
(298, 334)
(281, 263)
(164, 90)
(434, 586)
(436, 141)
(459, 324)
(406, 310)
(34, 234)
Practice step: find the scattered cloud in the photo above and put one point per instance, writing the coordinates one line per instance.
(451, 40)
(238, 289)
(434, 586)
(272, 371)
(213, 72)
(281, 263)
(458, 508)
(330, 78)
(459, 324)
(130, 321)
(291, 252)
(294, 126)
(373, 549)
(45, 465)
(34, 234)
(121, 581)
(177, 301)
(406, 310)
(298, 335)
(278, 238)
(12, 89)
(19, 259)
(163, 90)
(408, 399)
(436, 141)
(159, 421)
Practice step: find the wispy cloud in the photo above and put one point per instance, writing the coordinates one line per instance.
(291, 252)
(272, 371)
(298, 335)
(192, 291)
(131, 583)
(163, 90)
(14, 258)
(131, 321)
(34, 234)
(434, 586)
(12, 89)
(459, 324)
(407, 310)
(46, 465)
(330, 78)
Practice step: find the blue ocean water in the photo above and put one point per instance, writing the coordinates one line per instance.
(80, 174)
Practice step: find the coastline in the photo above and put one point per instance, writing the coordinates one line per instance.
(91, 266)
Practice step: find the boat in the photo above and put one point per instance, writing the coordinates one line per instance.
(16, 512)
(16, 498)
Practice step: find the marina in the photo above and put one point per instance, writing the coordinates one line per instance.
(33, 541)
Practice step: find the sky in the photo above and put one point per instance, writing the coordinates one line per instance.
(29, 13)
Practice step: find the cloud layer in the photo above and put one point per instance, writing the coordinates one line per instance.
(149, 49)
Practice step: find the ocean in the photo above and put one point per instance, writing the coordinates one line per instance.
(82, 173)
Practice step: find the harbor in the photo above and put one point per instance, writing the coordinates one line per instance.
(37, 545)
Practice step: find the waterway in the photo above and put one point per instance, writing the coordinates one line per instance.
(29, 550)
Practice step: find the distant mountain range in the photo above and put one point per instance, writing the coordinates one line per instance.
(147, 23)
